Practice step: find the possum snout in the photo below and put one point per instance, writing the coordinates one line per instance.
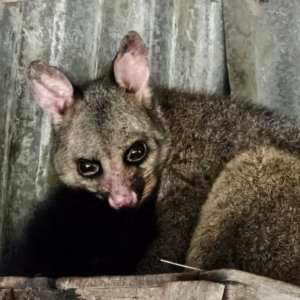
(126, 198)
(120, 192)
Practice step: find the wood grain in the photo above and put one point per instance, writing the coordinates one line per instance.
(194, 290)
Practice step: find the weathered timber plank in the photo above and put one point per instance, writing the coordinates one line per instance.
(6, 294)
(150, 293)
(123, 281)
(266, 288)
(42, 294)
(194, 290)
(239, 292)
(120, 293)
(23, 283)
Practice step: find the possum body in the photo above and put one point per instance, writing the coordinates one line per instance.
(251, 219)
(126, 147)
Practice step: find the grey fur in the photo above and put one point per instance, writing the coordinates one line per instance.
(102, 126)
(190, 136)
(206, 132)
(251, 218)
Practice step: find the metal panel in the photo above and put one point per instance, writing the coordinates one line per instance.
(263, 53)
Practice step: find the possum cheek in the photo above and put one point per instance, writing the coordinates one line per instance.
(143, 184)
(150, 184)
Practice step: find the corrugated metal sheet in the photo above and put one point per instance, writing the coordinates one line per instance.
(187, 44)
(263, 53)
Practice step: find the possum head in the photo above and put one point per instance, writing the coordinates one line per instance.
(111, 140)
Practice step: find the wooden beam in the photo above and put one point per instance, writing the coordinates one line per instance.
(122, 281)
(193, 290)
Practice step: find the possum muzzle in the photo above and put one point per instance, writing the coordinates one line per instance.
(123, 197)
(119, 190)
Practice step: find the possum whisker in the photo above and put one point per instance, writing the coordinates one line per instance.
(153, 171)
(150, 179)
(180, 265)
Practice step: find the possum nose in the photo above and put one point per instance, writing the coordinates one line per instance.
(125, 199)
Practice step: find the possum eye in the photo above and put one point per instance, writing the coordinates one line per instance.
(136, 153)
(88, 168)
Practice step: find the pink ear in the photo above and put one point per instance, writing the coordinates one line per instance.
(131, 67)
(50, 87)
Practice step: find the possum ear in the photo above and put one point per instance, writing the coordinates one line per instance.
(131, 66)
(50, 88)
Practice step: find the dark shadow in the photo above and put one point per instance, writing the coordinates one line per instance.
(73, 233)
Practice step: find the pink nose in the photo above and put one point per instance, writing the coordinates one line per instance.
(128, 199)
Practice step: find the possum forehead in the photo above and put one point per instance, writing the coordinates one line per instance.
(106, 123)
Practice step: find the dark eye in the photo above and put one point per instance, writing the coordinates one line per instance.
(88, 168)
(137, 152)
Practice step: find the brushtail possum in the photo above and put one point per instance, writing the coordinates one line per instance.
(251, 218)
(127, 144)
